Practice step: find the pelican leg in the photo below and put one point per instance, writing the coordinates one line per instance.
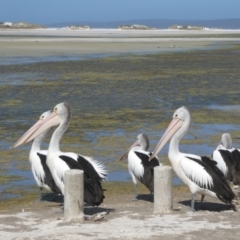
(53, 197)
(135, 191)
(192, 203)
(151, 197)
(135, 182)
(202, 198)
(40, 194)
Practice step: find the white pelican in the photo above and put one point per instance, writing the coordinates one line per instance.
(38, 157)
(58, 161)
(139, 167)
(200, 175)
(228, 159)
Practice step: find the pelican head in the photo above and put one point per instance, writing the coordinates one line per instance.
(142, 142)
(181, 120)
(226, 141)
(61, 115)
(63, 110)
(31, 130)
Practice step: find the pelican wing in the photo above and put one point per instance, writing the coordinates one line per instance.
(48, 179)
(227, 157)
(98, 167)
(148, 166)
(206, 176)
(144, 156)
(221, 163)
(229, 163)
(213, 165)
(195, 170)
(93, 192)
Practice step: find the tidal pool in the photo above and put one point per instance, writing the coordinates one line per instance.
(114, 99)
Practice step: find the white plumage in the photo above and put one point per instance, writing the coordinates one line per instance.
(58, 161)
(38, 157)
(139, 167)
(199, 173)
(228, 159)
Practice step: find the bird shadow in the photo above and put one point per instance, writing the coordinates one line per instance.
(209, 206)
(52, 197)
(90, 210)
(146, 197)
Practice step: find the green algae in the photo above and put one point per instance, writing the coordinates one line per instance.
(12, 102)
(21, 198)
(5, 179)
(113, 99)
(112, 189)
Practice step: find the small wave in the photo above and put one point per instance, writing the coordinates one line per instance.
(225, 107)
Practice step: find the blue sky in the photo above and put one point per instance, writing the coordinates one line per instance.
(55, 11)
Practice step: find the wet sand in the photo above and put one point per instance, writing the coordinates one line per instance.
(125, 219)
(52, 42)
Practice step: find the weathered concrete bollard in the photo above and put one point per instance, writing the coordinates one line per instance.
(73, 196)
(163, 189)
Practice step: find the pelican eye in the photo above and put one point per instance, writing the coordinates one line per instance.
(55, 109)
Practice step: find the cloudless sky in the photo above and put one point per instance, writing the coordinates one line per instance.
(57, 11)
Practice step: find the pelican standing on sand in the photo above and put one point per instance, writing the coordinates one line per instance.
(199, 176)
(139, 167)
(38, 157)
(58, 161)
(228, 159)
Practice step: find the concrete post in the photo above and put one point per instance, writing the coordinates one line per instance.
(163, 189)
(73, 196)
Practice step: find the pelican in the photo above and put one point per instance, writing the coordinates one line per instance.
(58, 161)
(228, 159)
(199, 175)
(139, 167)
(38, 157)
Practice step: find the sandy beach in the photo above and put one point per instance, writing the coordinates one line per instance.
(122, 218)
(64, 42)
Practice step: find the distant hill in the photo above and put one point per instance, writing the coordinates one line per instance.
(157, 23)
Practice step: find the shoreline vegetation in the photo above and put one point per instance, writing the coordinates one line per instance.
(25, 25)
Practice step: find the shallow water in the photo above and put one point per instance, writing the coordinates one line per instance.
(115, 98)
(47, 57)
(33, 59)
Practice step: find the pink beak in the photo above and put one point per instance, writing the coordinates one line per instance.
(51, 121)
(27, 134)
(125, 155)
(171, 130)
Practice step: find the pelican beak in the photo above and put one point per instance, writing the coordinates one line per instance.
(27, 134)
(51, 121)
(125, 155)
(171, 130)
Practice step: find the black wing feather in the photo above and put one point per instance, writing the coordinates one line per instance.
(48, 180)
(148, 176)
(229, 161)
(232, 161)
(236, 168)
(220, 185)
(93, 192)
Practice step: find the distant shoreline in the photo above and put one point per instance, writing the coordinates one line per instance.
(49, 44)
(119, 33)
